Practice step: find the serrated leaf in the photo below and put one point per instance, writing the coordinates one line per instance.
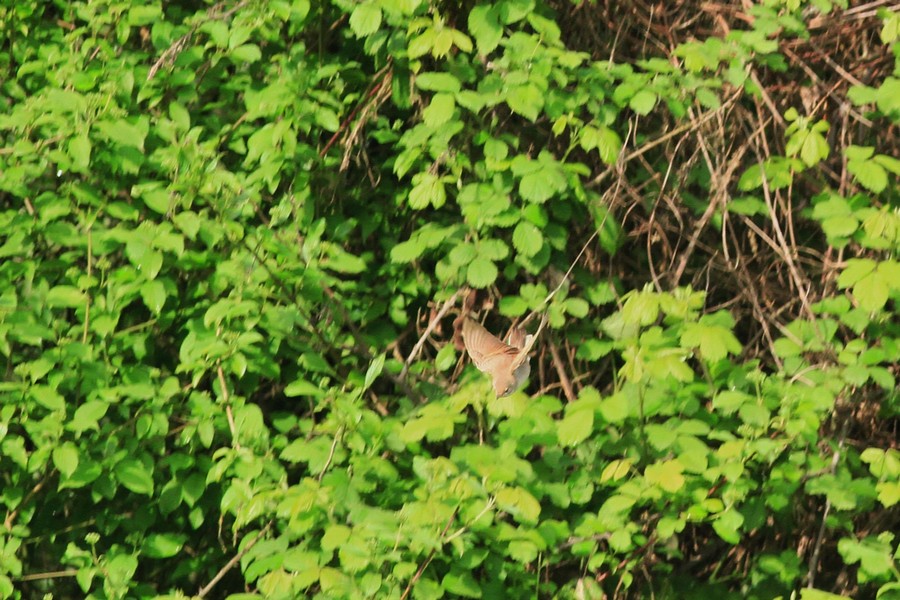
(727, 524)
(856, 269)
(407, 252)
(526, 100)
(577, 307)
(421, 44)
(427, 189)
(519, 503)
(643, 102)
(365, 19)
(575, 427)
(461, 583)
(484, 25)
(481, 272)
(869, 174)
(871, 292)
(616, 470)
(527, 238)
(440, 110)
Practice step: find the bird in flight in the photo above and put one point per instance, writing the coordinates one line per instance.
(507, 364)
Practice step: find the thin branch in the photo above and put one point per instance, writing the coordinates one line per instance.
(334, 443)
(564, 380)
(234, 560)
(48, 575)
(226, 397)
(424, 337)
(820, 538)
(425, 564)
(87, 301)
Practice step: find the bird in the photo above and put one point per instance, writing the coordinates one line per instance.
(507, 364)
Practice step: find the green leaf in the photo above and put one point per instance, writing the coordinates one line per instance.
(80, 152)
(365, 19)
(144, 14)
(519, 503)
(513, 306)
(542, 179)
(247, 53)
(609, 144)
(135, 476)
(577, 307)
(153, 293)
(484, 25)
(481, 272)
(461, 583)
(575, 427)
(438, 82)
(643, 102)
(421, 44)
(440, 110)
(66, 296)
(526, 100)
(65, 458)
(163, 545)
(427, 189)
(874, 555)
(87, 416)
(47, 397)
(856, 269)
(616, 470)
(872, 292)
(86, 473)
(815, 149)
(869, 174)
(727, 525)
(130, 134)
(374, 371)
(615, 409)
(667, 474)
(527, 238)
(715, 342)
(335, 536)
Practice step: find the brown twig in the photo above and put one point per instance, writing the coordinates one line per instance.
(226, 397)
(564, 380)
(424, 337)
(334, 443)
(817, 546)
(373, 91)
(430, 556)
(234, 560)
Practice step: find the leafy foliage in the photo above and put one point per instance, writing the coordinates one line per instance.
(221, 225)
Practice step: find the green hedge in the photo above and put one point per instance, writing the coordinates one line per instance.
(225, 227)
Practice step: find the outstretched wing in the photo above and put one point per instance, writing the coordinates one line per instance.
(525, 349)
(486, 350)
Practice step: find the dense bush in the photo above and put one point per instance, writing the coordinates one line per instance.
(233, 242)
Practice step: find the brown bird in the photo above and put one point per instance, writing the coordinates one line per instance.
(507, 364)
